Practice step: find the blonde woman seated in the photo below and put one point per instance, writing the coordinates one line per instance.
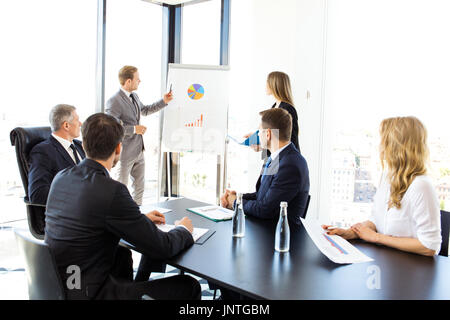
(405, 213)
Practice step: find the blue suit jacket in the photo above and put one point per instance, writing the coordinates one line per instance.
(287, 180)
(46, 160)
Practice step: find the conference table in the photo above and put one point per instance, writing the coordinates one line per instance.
(251, 266)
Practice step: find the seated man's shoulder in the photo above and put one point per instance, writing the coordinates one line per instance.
(42, 146)
(43, 152)
(79, 142)
(295, 157)
(88, 175)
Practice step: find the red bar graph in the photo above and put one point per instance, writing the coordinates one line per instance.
(196, 124)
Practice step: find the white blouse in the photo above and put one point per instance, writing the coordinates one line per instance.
(419, 215)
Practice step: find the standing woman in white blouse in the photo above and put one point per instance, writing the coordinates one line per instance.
(405, 213)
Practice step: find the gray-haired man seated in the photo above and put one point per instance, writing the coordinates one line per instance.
(61, 150)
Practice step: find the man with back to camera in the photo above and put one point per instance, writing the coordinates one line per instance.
(88, 213)
(61, 150)
(284, 176)
(126, 106)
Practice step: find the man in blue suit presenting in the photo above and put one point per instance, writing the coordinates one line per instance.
(61, 150)
(284, 176)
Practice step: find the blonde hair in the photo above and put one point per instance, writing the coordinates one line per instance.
(280, 86)
(125, 73)
(404, 150)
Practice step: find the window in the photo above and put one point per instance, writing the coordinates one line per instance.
(384, 59)
(134, 37)
(201, 33)
(48, 59)
(200, 45)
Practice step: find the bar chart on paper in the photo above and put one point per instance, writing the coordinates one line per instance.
(336, 248)
(196, 119)
(196, 123)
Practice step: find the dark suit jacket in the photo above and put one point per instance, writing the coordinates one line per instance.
(46, 160)
(287, 180)
(87, 214)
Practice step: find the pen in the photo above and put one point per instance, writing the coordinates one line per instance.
(170, 90)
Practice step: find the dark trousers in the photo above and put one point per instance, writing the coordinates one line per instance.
(180, 287)
(147, 266)
(227, 294)
(120, 284)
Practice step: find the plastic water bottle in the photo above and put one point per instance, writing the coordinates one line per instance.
(238, 218)
(282, 234)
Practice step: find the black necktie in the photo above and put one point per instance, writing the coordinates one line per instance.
(134, 103)
(77, 160)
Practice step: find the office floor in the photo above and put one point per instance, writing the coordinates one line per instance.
(12, 267)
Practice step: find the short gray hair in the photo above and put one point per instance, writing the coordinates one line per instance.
(59, 114)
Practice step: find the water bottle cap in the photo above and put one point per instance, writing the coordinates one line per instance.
(283, 204)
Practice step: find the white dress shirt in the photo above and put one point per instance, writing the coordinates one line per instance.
(275, 154)
(127, 93)
(418, 217)
(66, 145)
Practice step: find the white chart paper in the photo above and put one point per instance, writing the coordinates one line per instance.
(336, 248)
(196, 119)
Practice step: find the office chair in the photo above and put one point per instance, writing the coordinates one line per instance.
(445, 230)
(24, 139)
(44, 282)
(306, 207)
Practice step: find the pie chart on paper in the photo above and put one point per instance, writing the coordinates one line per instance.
(196, 91)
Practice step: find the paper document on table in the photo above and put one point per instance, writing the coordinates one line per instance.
(336, 248)
(214, 213)
(147, 208)
(198, 232)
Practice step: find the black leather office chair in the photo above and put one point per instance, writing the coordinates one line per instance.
(306, 208)
(445, 230)
(44, 282)
(24, 139)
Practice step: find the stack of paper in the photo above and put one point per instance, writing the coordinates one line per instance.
(197, 234)
(336, 248)
(148, 208)
(214, 213)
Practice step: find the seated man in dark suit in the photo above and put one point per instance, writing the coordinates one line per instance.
(284, 176)
(58, 152)
(88, 213)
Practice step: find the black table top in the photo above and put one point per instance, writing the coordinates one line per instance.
(251, 266)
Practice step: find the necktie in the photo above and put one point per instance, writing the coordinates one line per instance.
(77, 160)
(266, 167)
(135, 103)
